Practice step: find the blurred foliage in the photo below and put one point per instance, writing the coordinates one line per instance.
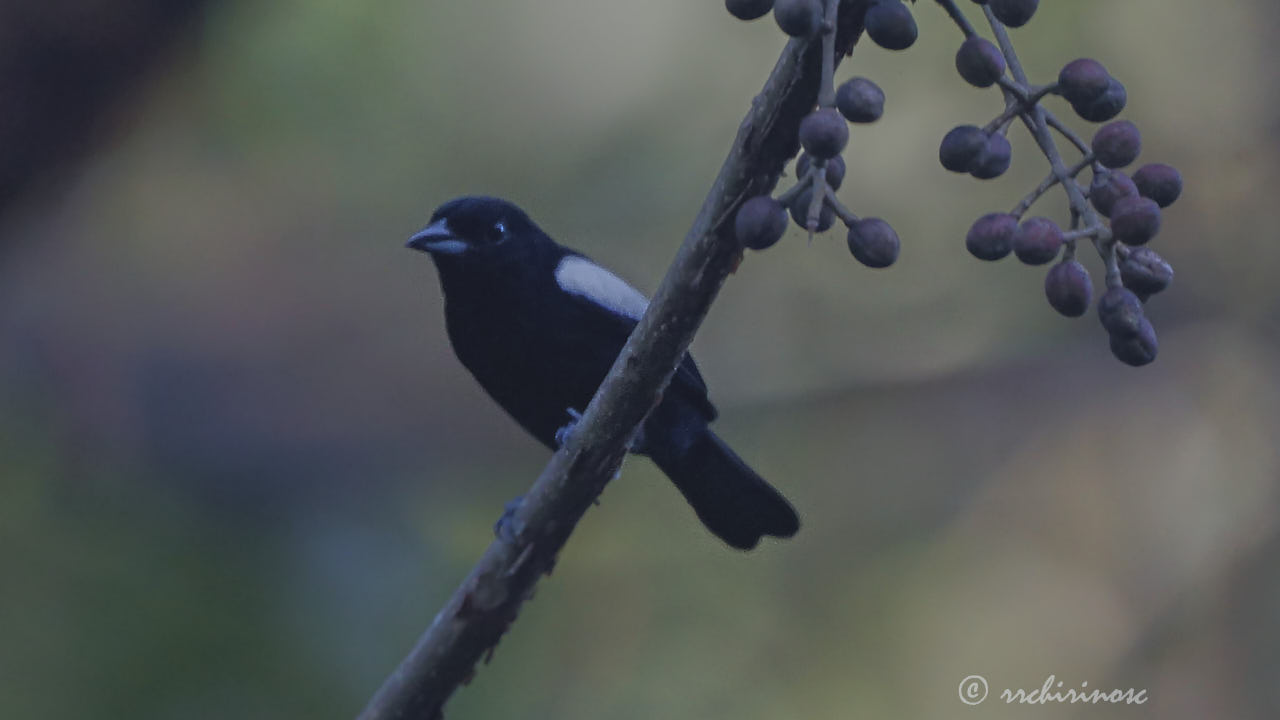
(66, 67)
(242, 470)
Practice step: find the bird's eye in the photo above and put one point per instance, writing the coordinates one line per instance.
(499, 232)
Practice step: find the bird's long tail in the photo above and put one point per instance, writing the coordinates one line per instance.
(733, 501)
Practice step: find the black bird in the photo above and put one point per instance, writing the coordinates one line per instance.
(539, 326)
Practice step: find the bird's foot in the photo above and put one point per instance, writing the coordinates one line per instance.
(508, 528)
(565, 432)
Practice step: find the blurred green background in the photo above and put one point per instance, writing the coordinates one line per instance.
(242, 469)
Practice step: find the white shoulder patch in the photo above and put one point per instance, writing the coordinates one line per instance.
(584, 278)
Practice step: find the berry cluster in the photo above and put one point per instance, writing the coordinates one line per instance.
(812, 202)
(1118, 214)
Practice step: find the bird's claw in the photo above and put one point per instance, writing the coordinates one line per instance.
(566, 431)
(508, 528)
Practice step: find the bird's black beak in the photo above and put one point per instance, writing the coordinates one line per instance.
(437, 238)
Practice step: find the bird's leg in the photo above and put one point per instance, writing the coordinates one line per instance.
(564, 433)
(508, 528)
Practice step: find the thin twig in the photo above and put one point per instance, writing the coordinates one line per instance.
(1074, 235)
(818, 183)
(845, 214)
(802, 183)
(1044, 187)
(1034, 119)
(827, 92)
(1068, 133)
(1027, 94)
(958, 17)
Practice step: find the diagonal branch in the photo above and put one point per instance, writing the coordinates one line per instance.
(487, 601)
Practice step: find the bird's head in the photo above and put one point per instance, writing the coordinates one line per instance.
(473, 226)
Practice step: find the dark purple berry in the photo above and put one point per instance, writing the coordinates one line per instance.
(799, 209)
(1014, 13)
(1105, 106)
(1137, 349)
(748, 9)
(890, 25)
(961, 146)
(798, 18)
(873, 242)
(835, 170)
(1120, 312)
(1145, 272)
(860, 100)
(991, 237)
(1135, 220)
(824, 133)
(760, 222)
(1117, 144)
(1037, 241)
(994, 158)
(1159, 182)
(979, 62)
(1083, 81)
(1109, 188)
(1069, 288)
